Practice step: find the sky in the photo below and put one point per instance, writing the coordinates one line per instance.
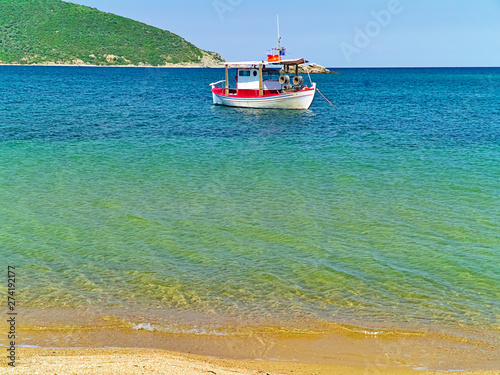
(332, 33)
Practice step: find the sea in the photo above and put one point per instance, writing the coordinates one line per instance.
(125, 193)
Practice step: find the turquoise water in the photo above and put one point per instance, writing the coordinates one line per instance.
(127, 189)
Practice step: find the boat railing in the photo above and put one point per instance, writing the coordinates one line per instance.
(216, 83)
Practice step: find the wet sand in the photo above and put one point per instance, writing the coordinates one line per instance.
(314, 347)
(273, 350)
(323, 345)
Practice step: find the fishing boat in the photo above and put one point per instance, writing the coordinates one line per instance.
(266, 84)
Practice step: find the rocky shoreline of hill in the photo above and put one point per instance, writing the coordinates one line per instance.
(208, 61)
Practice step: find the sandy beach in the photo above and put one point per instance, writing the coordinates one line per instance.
(89, 345)
(150, 361)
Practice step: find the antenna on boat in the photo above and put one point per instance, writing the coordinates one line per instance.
(275, 54)
(279, 38)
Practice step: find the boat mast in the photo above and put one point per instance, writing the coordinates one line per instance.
(227, 80)
(261, 85)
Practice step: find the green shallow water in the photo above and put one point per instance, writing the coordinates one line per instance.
(115, 193)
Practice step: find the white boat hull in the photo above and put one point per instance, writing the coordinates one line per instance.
(290, 100)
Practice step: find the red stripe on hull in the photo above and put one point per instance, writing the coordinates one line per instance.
(253, 93)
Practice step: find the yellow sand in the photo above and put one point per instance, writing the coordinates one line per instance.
(150, 361)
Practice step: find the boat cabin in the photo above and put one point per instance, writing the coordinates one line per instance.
(247, 79)
(254, 79)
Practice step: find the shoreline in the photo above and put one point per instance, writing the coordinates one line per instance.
(175, 66)
(154, 361)
(190, 66)
(308, 342)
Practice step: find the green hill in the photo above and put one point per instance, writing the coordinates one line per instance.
(54, 31)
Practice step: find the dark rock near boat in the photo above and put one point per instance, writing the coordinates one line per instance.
(311, 68)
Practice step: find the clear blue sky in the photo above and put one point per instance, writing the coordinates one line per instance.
(334, 33)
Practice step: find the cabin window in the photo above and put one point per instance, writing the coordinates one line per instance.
(254, 73)
(244, 73)
(271, 75)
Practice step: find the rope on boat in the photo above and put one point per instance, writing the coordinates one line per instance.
(326, 99)
(310, 80)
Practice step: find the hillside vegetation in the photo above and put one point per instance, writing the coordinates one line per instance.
(54, 31)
